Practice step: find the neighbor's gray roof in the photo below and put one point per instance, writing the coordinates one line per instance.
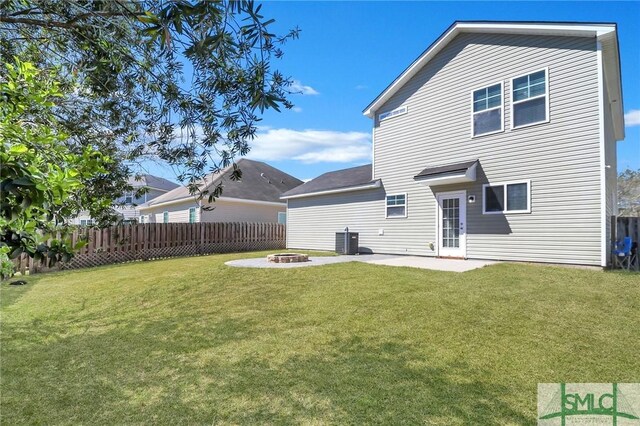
(152, 181)
(445, 169)
(259, 182)
(338, 179)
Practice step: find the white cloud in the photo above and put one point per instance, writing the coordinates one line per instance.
(360, 87)
(298, 87)
(296, 109)
(632, 118)
(311, 146)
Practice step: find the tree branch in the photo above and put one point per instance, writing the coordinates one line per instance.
(70, 24)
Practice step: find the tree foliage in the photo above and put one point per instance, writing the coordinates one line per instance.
(40, 177)
(629, 193)
(177, 81)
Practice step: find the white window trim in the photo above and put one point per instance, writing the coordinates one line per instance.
(406, 206)
(194, 214)
(504, 201)
(546, 93)
(493, 132)
(167, 213)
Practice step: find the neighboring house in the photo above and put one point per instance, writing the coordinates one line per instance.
(254, 198)
(498, 142)
(127, 205)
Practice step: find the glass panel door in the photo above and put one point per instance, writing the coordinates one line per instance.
(451, 224)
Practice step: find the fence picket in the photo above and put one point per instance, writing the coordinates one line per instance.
(126, 243)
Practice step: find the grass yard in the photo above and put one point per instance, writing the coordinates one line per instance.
(193, 341)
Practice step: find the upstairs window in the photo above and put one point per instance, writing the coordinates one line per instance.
(396, 206)
(192, 215)
(512, 197)
(530, 99)
(487, 110)
(128, 197)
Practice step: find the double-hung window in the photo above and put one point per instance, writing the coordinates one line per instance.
(397, 206)
(530, 99)
(192, 215)
(487, 110)
(128, 197)
(511, 197)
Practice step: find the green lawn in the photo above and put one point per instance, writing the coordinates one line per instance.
(193, 341)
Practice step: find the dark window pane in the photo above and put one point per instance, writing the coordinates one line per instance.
(517, 197)
(537, 77)
(479, 95)
(493, 90)
(479, 105)
(529, 112)
(494, 101)
(536, 90)
(521, 82)
(521, 94)
(489, 121)
(494, 198)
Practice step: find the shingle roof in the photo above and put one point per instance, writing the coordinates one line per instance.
(338, 179)
(152, 181)
(259, 182)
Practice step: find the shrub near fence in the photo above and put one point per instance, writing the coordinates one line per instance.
(126, 243)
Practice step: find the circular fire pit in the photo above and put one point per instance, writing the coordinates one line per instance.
(287, 258)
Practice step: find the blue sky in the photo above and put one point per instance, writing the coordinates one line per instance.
(348, 52)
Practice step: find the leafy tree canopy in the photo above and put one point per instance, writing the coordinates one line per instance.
(629, 193)
(182, 82)
(40, 177)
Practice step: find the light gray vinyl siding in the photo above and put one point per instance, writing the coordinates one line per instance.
(228, 211)
(178, 212)
(561, 158)
(222, 211)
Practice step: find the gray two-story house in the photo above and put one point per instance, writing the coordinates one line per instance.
(498, 142)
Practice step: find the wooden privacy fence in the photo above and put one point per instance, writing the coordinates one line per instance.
(126, 243)
(627, 227)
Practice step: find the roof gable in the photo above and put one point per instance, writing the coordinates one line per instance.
(605, 33)
(259, 182)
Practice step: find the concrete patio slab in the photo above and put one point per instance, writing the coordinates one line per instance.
(450, 265)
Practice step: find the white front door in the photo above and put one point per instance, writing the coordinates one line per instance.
(452, 224)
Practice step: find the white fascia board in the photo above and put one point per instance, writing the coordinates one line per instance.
(375, 184)
(166, 203)
(158, 189)
(258, 202)
(576, 30)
